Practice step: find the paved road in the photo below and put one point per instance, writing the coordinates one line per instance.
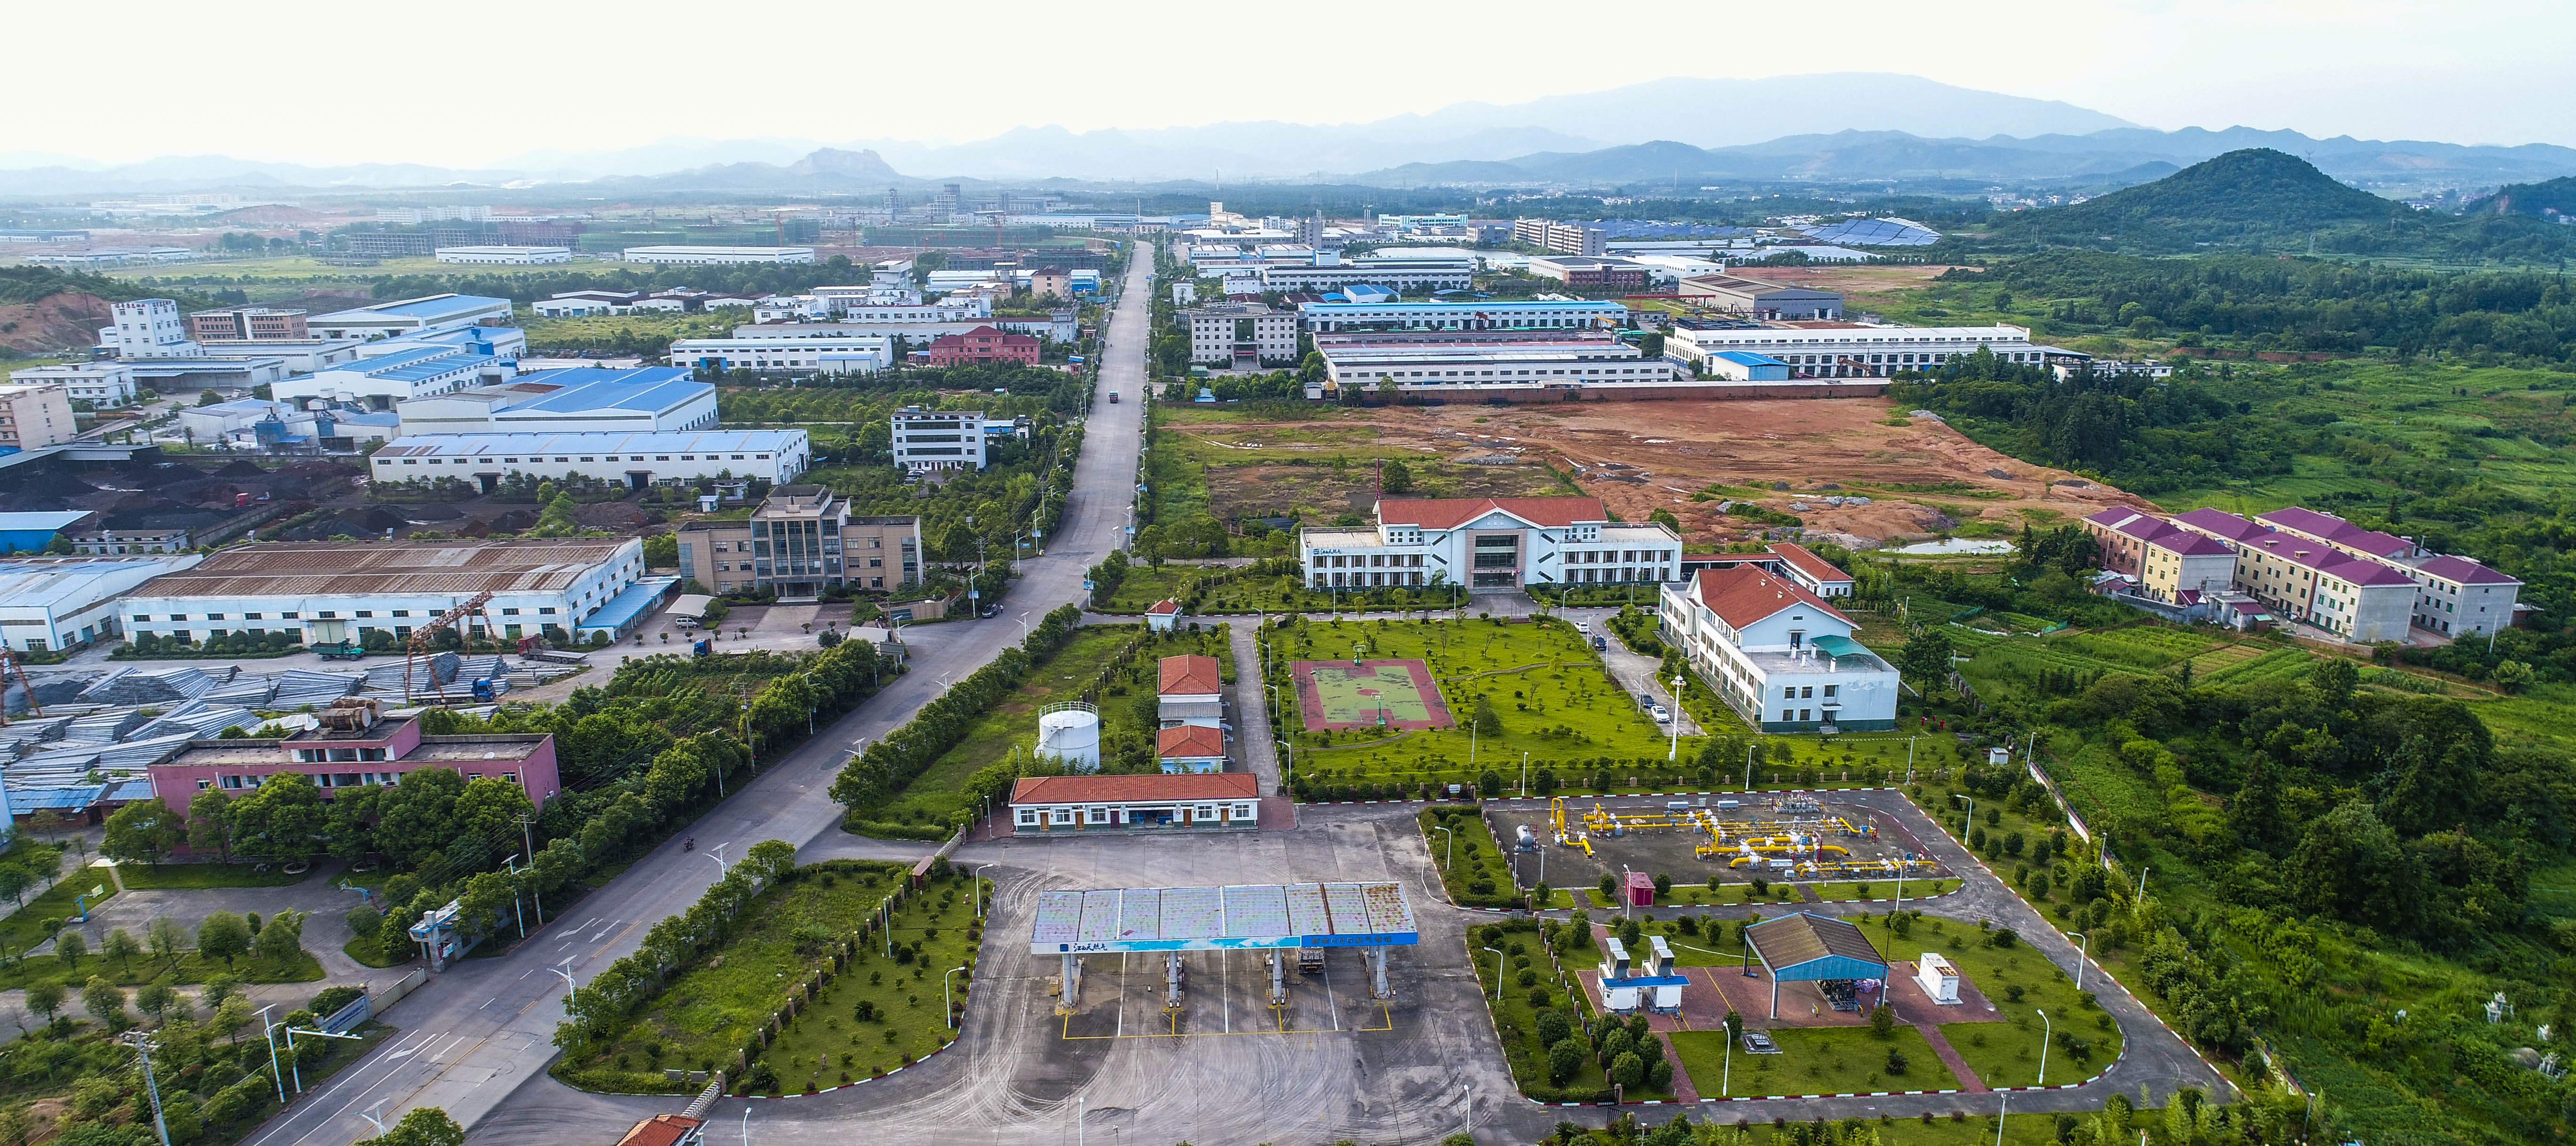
(479, 1033)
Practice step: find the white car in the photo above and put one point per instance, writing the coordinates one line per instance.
(1663, 715)
(1583, 627)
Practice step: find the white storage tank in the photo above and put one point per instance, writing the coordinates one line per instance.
(1069, 730)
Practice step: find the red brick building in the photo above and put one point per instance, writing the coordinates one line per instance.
(981, 345)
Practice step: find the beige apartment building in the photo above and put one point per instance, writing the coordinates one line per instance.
(35, 415)
(801, 540)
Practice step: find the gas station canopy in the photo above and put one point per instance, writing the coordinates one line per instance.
(1243, 916)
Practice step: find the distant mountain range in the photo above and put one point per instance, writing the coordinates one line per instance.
(1865, 126)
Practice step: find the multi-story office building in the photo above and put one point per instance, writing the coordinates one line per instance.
(1330, 272)
(1779, 655)
(35, 415)
(982, 346)
(2305, 580)
(1591, 272)
(2457, 597)
(147, 328)
(1560, 238)
(104, 383)
(1241, 334)
(2173, 565)
(1545, 314)
(938, 439)
(801, 540)
(248, 324)
(1489, 543)
(773, 353)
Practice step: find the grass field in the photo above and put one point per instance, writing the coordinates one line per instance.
(937, 792)
(28, 926)
(1382, 694)
(1534, 984)
(899, 995)
(1315, 463)
(1812, 1060)
(143, 876)
(1472, 866)
(189, 967)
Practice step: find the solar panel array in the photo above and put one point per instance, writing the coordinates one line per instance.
(1875, 233)
(1221, 918)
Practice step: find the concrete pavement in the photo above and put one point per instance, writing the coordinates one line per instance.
(479, 1034)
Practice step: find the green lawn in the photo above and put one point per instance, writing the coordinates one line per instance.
(1516, 1013)
(155, 876)
(1472, 866)
(188, 968)
(937, 792)
(1812, 1060)
(829, 1044)
(1145, 585)
(2006, 1052)
(705, 1015)
(43, 914)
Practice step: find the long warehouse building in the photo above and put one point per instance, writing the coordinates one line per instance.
(572, 400)
(1490, 364)
(1855, 350)
(393, 586)
(635, 460)
(1556, 314)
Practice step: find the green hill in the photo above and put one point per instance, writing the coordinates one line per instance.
(2243, 198)
(2553, 200)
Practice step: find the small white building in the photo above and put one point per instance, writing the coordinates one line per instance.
(717, 256)
(105, 383)
(1776, 653)
(1938, 979)
(147, 328)
(1490, 543)
(1045, 805)
(504, 256)
(636, 460)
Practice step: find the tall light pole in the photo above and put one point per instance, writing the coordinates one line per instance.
(978, 882)
(2000, 1111)
(949, 1003)
(1288, 777)
(2083, 952)
(1452, 860)
(276, 1073)
(1972, 821)
(1524, 775)
(143, 1047)
(716, 853)
(1498, 975)
(2046, 1029)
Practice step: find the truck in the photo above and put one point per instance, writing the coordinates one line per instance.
(1113, 397)
(331, 638)
(1310, 960)
(340, 651)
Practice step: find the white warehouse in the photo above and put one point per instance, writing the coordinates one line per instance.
(1855, 350)
(633, 460)
(504, 256)
(395, 586)
(825, 354)
(715, 256)
(1490, 543)
(1778, 654)
(415, 372)
(1557, 314)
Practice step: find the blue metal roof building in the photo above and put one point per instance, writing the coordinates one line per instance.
(1804, 947)
(1747, 366)
(30, 532)
(579, 399)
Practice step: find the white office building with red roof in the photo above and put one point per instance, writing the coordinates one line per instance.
(1490, 544)
(1777, 653)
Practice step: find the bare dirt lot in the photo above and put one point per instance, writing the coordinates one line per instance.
(1921, 478)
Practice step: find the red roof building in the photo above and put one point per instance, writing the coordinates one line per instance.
(1191, 675)
(984, 344)
(1044, 805)
(1190, 748)
(664, 1130)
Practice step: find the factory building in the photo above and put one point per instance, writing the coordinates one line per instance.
(948, 439)
(1246, 335)
(1488, 364)
(572, 400)
(717, 256)
(636, 460)
(1545, 314)
(1853, 350)
(414, 371)
(429, 314)
(49, 604)
(393, 586)
(771, 353)
(104, 383)
(1761, 299)
(357, 747)
(505, 256)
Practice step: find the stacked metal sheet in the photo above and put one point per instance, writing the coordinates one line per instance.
(103, 727)
(159, 686)
(299, 687)
(200, 721)
(427, 673)
(251, 690)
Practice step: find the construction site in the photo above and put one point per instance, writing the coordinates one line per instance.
(1788, 837)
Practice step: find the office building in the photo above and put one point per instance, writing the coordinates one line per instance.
(248, 324)
(1557, 314)
(1761, 299)
(1852, 350)
(1590, 273)
(981, 346)
(2168, 564)
(717, 256)
(801, 541)
(505, 256)
(2301, 579)
(388, 586)
(770, 353)
(2304, 566)
(572, 400)
(1560, 238)
(1244, 335)
(1497, 364)
(2457, 597)
(1196, 800)
(1489, 543)
(413, 371)
(428, 314)
(1779, 655)
(48, 604)
(146, 328)
(1330, 272)
(356, 746)
(635, 460)
(32, 416)
(938, 439)
(103, 383)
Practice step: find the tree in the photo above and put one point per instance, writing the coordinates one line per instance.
(283, 819)
(223, 935)
(45, 997)
(210, 827)
(14, 882)
(141, 831)
(557, 520)
(2353, 867)
(1882, 1021)
(105, 1002)
(491, 806)
(1925, 660)
(1395, 477)
(1665, 518)
(1488, 722)
(158, 999)
(415, 813)
(71, 948)
(120, 946)
(282, 940)
(1564, 1058)
(166, 939)
(662, 551)
(422, 1126)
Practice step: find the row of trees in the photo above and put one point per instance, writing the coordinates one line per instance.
(878, 775)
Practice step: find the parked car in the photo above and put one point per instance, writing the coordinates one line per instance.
(1583, 627)
(1601, 644)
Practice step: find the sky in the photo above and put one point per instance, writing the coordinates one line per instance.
(334, 83)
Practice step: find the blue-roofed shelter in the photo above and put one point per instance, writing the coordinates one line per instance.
(31, 532)
(628, 608)
(1747, 366)
(1812, 948)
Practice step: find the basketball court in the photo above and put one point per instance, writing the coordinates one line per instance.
(1341, 695)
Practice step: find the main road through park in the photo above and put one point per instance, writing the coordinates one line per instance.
(476, 1040)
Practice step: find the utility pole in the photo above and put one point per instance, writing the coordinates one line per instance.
(143, 1047)
(528, 836)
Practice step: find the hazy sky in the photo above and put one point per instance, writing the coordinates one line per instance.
(330, 83)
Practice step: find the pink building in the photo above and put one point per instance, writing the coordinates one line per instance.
(353, 748)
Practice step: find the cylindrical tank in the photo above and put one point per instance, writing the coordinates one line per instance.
(1070, 731)
(1528, 839)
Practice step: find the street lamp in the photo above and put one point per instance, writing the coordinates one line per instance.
(979, 889)
(1288, 777)
(716, 853)
(1674, 753)
(275, 1073)
(1972, 813)
(949, 1003)
(2083, 952)
(1452, 860)
(1498, 974)
(2046, 1029)
(1524, 775)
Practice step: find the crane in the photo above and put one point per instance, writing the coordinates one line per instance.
(420, 639)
